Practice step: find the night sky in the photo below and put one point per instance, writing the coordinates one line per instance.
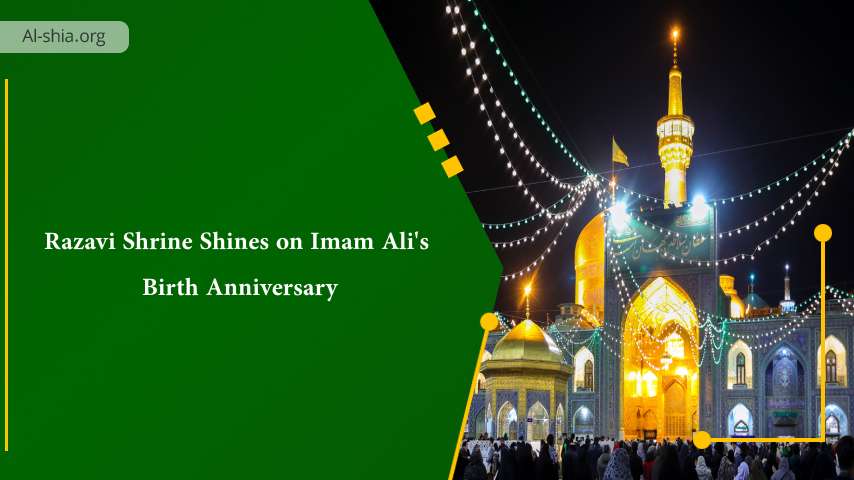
(751, 74)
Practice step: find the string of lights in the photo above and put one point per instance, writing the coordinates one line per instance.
(707, 316)
(527, 269)
(586, 184)
(544, 124)
(827, 168)
(799, 307)
(520, 273)
(569, 345)
(774, 184)
(779, 333)
(454, 9)
(534, 110)
(708, 328)
(845, 299)
(625, 302)
(503, 324)
(793, 321)
(720, 350)
(524, 239)
(819, 182)
(708, 325)
(531, 218)
(779, 182)
(710, 335)
(717, 349)
(799, 321)
(456, 30)
(569, 213)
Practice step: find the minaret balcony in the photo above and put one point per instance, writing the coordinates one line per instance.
(675, 125)
(675, 142)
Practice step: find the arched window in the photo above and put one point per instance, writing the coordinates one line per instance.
(739, 366)
(481, 382)
(835, 369)
(830, 366)
(583, 364)
(831, 426)
(740, 370)
(588, 375)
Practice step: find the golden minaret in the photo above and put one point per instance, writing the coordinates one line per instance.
(675, 133)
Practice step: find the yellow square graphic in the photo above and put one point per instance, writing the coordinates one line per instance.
(438, 140)
(424, 113)
(452, 166)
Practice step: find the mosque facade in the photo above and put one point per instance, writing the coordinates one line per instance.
(659, 343)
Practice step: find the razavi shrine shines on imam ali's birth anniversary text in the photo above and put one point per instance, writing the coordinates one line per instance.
(655, 346)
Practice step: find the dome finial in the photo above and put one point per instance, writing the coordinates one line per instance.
(528, 301)
(674, 35)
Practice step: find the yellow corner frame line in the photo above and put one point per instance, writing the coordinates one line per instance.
(489, 322)
(702, 439)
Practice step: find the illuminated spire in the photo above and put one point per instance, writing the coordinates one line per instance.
(674, 35)
(528, 302)
(674, 101)
(675, 135)
(787, 305)
(787, 293)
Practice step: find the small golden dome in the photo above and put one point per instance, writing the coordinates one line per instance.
(527, 341)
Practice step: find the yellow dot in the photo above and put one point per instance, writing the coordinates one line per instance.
(823, 232)
(702, 439)
(488, 321)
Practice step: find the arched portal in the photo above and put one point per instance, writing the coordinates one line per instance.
(739, 422)
(649, 420)
(835, 421)
(559, 427)
(538, 424)
(480, 423)
(785, 393)
(507, 421)
(660, 357)
(582, 421)
(674, 410)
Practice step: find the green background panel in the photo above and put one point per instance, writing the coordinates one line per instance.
(262, 121)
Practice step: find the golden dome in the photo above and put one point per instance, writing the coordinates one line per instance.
(527, 341)
(590, 265)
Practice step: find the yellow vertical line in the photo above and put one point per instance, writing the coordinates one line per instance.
(821, 373)
(456, 454)
(6, 268)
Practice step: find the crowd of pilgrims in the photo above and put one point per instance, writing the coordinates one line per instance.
(577, 458)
